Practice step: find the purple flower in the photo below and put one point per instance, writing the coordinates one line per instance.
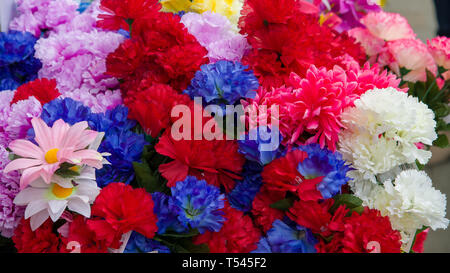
(10, 214)
(350, 11)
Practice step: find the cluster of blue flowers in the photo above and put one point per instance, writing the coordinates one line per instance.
(138, 243)
(241, 197)
(194, 204)
(124, 145)
(287, 237)
(260, 145)
(223, 82)
(323, 162)
(17, 62)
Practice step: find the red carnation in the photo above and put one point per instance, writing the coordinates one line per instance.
(42, 240)
(122, 12)
(363, 232)
(152, 107)
(316, 216)
(80, 232)
(43, 90)
(285, 40)
(238, 234)
(161, 50)
(263, 214)
(119, 209)
(282, 175)
(216, 161)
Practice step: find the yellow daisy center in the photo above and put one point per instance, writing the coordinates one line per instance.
(51, 156)
(61, 192)
(75, 168)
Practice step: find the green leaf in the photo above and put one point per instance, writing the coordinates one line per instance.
(146, 178)
(283, 204)
(441, 141)
(419, 165)
(349, 200)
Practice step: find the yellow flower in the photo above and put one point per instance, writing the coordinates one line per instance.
(229, 8)
(176, 6)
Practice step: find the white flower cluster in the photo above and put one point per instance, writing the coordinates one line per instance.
(411, 202)
(383, 129)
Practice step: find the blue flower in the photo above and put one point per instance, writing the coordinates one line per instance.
(167, 213)
(125, 148)
(138, 243)
(84, 4)
(241, 197)
(67, 109)
(283, 238)
(260, 146)
(17, 62)
(223, 82)
(200, 204)
(323, 162)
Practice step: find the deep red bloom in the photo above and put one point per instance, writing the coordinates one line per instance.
(216, 161)
(152, 107)
(285, 40)
(123, 12)
(238, 234)
(119, 209)
(263, 214)
(161, 50)
(282, 175)
(363, 232)
(43, 90)
(316, 216)
(80, 232)
(42, 240)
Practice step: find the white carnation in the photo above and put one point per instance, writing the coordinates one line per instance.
(411, 202)
(382, 129)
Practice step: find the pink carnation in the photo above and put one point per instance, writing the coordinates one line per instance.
(388, 26)
(37, 15)
(76, 60)
(215, 32)
(15, 120)
(439, 48)
(413, 55)
(371, 44)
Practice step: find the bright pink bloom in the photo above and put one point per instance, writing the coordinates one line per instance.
(388, 26)
(413, 55)
(58, 144)
(439, 48)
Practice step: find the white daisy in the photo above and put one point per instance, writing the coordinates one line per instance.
(51, 200)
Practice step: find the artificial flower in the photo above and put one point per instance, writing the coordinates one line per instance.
(258, 145)
(112, 219)
(245, 190)
(42, 240)
(200, 204)
(43, 200)
(140, 244)
(237, 235)
(388, 26)
(382, 129)
(58, 144)
(43, 90)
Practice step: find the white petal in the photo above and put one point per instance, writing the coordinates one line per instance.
(56, 205)
(77, 205)
(28, 195)
(34, 207)
(38, 219)
(56, 215)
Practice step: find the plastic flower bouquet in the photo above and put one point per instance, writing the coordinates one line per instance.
(218, 126)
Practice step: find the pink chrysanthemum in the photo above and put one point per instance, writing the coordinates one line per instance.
(388, 26)
(369, 78)
(56, 145)
(310, 108)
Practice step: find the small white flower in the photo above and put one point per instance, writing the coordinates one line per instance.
(51, 200)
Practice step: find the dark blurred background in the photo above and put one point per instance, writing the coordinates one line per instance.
(427, 21)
